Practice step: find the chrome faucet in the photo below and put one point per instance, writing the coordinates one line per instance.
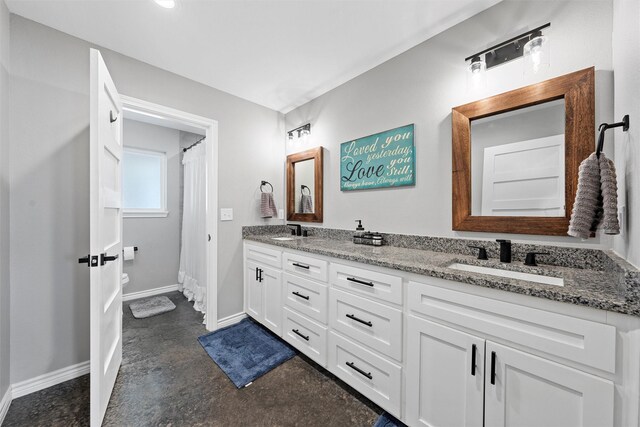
(505, 250)
(298, 228)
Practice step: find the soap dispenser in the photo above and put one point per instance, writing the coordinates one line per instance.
(357, 237)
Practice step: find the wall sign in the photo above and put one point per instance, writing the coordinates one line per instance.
(385, 159)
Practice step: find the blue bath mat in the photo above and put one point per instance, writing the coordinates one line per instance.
(245, 351)
(387, 420)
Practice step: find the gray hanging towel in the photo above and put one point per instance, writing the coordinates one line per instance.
(268, 206)
(584, 218)
(609, 189)
(306, 204)
(596, 182)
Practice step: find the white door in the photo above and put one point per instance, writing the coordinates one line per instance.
(254, 290)
(526, 390)
(105, 200)
(524, 178)
(446, 382)
(271, 281)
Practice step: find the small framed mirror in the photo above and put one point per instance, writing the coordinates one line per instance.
(304, 186)
(516, 156)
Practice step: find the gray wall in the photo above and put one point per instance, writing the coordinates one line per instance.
(4, 199)
(626, 62)
(421, 86)
(50, 192)
(158, 239)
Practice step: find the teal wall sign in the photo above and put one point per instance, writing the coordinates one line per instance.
(386, 159)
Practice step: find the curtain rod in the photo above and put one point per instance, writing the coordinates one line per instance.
(184, 150)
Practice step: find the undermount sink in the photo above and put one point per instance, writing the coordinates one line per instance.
(283, 238)
(537, 278)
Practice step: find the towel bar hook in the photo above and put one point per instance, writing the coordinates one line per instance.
(263, 183)
(303, 187)
(603, 128)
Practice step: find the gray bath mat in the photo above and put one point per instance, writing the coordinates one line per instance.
(151, 306)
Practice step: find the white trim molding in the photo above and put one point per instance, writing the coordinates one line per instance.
(49, 379)
(4, 404)
(149, 292)
(231, 320)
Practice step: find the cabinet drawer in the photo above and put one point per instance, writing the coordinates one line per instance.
(381, 286)
(267, 256)
(583, 341)
(375, 377)
(305, 335)
(306, 296)
(376, 325)
(305, 266)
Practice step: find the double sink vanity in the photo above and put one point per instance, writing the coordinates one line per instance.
(438, 334)
(435, 336)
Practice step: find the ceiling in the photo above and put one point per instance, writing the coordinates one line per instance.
(276, 53)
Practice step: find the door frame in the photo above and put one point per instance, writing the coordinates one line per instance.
(210, 127)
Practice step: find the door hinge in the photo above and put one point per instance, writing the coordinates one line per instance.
(91, 261)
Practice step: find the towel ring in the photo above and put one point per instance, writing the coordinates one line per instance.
(263, 183)
(302, 187)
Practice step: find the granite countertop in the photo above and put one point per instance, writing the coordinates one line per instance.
(613, 289)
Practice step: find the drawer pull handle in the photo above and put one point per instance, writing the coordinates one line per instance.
(360, 371)
(493, 368)
(353, 317)
(301, 265)
(473, 359)
(300, 295)
(362, 282)
(297, 332)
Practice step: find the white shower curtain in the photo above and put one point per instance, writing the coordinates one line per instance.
(193, 271)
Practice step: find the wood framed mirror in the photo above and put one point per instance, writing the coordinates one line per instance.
(304, 186)
(516, 156)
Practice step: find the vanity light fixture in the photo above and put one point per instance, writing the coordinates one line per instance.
(303, 130)
(533, 45)
(167, 4)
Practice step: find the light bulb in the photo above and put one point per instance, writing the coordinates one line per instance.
(477, 75)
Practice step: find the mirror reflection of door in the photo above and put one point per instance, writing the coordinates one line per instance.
(518, 162)
(304, 186)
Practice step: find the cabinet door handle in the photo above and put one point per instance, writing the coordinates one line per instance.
(301, 265)
(297, 332)
(473, 359)
(261, 271)
(362, 282)
(257, 275)
(360, 371)
(493, 368)
(300, 295)
(353, 317)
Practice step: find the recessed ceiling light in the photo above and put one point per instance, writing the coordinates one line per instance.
(167, 4)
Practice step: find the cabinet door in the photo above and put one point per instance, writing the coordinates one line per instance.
(271, 281)
(445, 384)
(253, 287)
(527, 390)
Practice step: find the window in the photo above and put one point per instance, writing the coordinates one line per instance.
(144, 183)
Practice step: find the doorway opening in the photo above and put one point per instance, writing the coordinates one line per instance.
(170, 182)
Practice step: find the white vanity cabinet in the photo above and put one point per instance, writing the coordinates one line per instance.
(464, 380)
(263, 287)
(433, 352)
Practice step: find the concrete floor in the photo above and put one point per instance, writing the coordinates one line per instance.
(166, 379)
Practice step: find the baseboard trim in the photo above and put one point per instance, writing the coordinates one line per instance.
(4, 404)
(231, 320)
(149, 293)
(49, 379)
